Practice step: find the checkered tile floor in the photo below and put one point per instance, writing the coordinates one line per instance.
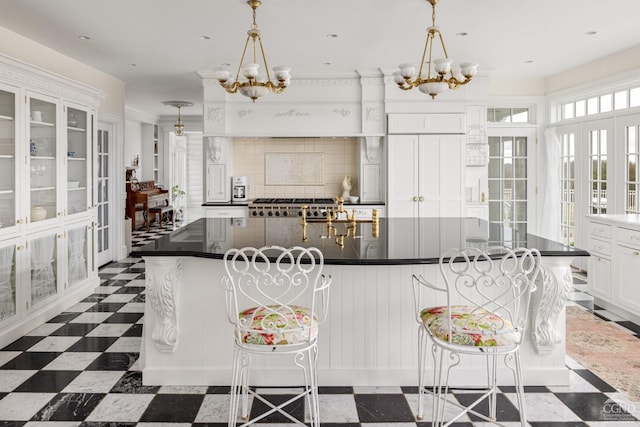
(141, 236)
(80, 369)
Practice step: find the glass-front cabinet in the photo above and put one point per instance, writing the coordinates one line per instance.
(9, 200)
(47, 212)
(44, 150)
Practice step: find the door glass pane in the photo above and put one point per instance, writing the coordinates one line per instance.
(8, 160)
(77, 253)
(43, 268)
(7, 282)
(43, 160)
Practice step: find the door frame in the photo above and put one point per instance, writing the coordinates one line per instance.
(117, 193)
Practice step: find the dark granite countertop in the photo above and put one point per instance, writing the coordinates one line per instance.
(399, 240)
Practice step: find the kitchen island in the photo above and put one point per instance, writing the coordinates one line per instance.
(370, 337)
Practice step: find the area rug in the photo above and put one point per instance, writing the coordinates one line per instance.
(610, 353)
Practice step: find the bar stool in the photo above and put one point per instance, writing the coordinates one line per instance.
(276, 298)
(487, 302)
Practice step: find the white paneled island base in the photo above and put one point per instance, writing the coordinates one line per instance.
(369, 339)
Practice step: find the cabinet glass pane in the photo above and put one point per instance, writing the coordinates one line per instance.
(77, 254)
(7, 159)
(7, 282)
(42, 145)
(43, 268)
(77, 156)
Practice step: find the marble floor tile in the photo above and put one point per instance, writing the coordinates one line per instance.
(126, 345)
(47, 381)
(92, 344)
(450, 410)
(10, 379)
(373, 408)
(126, 276)
(94, 382)
(577, 384)
(69, 407)
(23, 406)
(75, 329)
(120, 407)
(91, 317)
(132, 307)
(69, 361)
(6, 356)
(545, 407)
(54, 343)
(120, 317)
(111, 270)
(337, 408)
(369, 390)
(175, 389)
(163, 408)
(118, 298)
(214, 409)
(45, 329)
(53, 424)
(109, 330)
(105, 289)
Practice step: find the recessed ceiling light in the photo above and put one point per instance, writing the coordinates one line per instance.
(326, 63)
(530, 61)
(591, 33)
(205, 37)
(463, 34)
(84, 37)
(132, 65)
(332, 36)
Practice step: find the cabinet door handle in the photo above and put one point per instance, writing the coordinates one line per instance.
(421, 199)
(415, 198)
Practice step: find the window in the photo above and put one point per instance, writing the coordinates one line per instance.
(568, 186)
(631, 173)
(508, 115)
(508, 181)
(598, 171)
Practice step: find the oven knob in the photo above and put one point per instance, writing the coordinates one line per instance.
(285, 213)
(261, 213)
(315, 213)
(270, 213)
(299, 213)
(324, 213)
(254, 213)
(277, 213)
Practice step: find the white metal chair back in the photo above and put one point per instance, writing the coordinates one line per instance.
(274, 289)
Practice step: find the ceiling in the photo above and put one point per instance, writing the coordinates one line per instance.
(164, 38)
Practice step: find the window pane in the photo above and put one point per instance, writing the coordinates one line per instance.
(606, 103)
(567, 111)
(490, 115)
(494, 187)
(521, 147)
(494, 211)
(592, 105)
(520, 211)
(634, 98)
(581, 108)
(521, 168)
(520, 115)
(521, 190)
(494, 146)
(503, 115)
(620, 100)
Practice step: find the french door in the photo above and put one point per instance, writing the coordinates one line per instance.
(104, 148)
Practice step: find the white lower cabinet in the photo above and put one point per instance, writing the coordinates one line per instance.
(614, 265)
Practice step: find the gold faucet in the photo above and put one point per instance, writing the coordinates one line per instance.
(333, 215)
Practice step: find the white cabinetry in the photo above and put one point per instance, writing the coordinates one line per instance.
(151, 154)
(46, 196)
(425, 176)
(614, 265)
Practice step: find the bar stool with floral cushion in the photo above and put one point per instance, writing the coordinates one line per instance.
(487, 293)
(276, 297)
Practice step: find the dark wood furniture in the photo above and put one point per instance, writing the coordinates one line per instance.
(142, 195)
(161, 211)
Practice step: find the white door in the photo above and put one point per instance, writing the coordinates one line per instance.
(105, 193)
(403, 170)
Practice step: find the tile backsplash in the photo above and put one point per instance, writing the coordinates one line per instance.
(340, 159)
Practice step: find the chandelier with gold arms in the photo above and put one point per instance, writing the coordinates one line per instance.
(252, 86)
(439, 74)
(178, 127)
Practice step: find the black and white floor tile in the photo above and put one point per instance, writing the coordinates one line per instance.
(80, 369)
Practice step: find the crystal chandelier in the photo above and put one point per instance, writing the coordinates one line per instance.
(253, 86)
(435, 75)
(179, 126)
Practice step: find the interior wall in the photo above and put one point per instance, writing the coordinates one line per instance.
(340, 160)
(23, 49)
(133, 144)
